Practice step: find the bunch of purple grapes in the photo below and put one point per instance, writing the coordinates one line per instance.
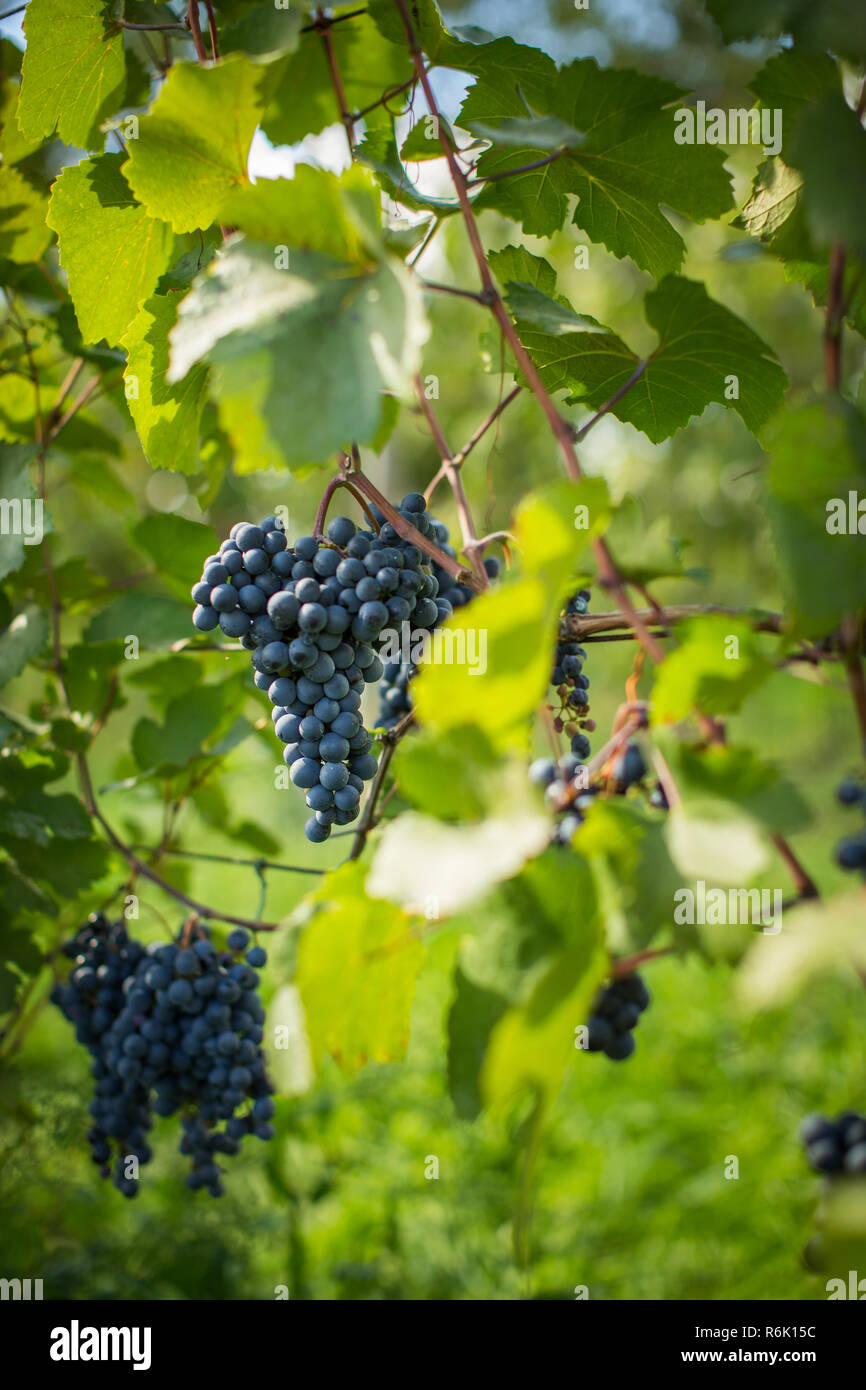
(313, 616)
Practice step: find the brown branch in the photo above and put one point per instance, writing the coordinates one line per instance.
(337, 81)
(410, 532)
(803, 881)
(140, 868)
(614, 400)
(608, 574)
(390, 739)
(521, 169)
(212, 30)
(327, 22)
(459, 458)
(195, 30)
(833, 319)
(464, 512)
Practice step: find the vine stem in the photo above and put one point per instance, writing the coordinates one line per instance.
(614, 400)
(140, 868)
(195, 31)
(608, 575)
(226, 859)
(390, 740)
(410, 532)
(455, 482)
(324, 28)
(460, 457)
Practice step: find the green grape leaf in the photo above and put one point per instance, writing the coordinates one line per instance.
(358, 960)
(514, 933)
(739, 777)
(21, 641)
(73, 74)
(153, 619)
(829, 142)
(167, 417)
(191, 720)
(717, 663)
(705, 354)
(314, 211)
(378, 150)
(817, 476)
(178, 547)
(634, 875)
(23, 233)
(280, 342)
(533, 1043)
(303, 101)
(444, 774)
(16, 483)
(792, 82)
(496, 652)
(530, 133)
(627, 167)
(774, 197)
(15, 145)
(193, 146)
(833, 24)
(87, 674)
(112, 251)
(263, 31)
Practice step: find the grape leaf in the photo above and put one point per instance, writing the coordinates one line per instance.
(705, 354)
(817, 463)
(23, 233)
(177, 547)
(281, 342)
(167, 417)
(112, 251)
(192, 149)
(357, 964)
(264, 31)
(314, 211)
(829, 143)
(73, 74)
(833, 24)
(303, 101)
(506, 635)
(532, 1044)
(791, 82)
(22, 640)
(15, 482)
(717, 663)
(627, 166)
(378, 150)
(15, 145)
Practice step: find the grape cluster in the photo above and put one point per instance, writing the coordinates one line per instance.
(312, 614)
(835, 1146)
(394, 698)
(851, 852)
(170, 1027)
(615, 1012)
(564, 780)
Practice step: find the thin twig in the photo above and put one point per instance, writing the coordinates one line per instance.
(460, 457)
(337, 81)
(228, 859)
(461, 502)
(390, 740)
(614, 400)
(521, 169)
